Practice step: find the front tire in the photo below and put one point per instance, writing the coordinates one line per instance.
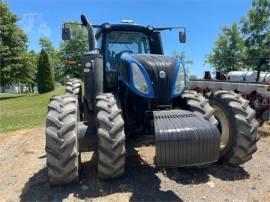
(197, 103)
(61, 140)
(74, 87)
(237, 125)
(111, 137)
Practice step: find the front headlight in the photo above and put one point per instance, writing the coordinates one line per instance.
(138, 79)
(180, 79)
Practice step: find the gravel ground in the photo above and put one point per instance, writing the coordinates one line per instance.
(23, 176)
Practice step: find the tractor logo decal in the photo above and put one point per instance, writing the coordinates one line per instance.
(162, 74)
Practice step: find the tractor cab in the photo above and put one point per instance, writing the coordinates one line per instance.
(113, 40)
(133, 56)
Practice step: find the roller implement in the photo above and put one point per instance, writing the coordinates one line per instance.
(131, 89)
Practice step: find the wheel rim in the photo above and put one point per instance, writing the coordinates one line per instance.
(223, 126)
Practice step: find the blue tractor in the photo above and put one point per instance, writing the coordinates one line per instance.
(130, 88)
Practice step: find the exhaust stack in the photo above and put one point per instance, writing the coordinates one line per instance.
(89, 27)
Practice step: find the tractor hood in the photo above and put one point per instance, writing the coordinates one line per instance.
(159, 72)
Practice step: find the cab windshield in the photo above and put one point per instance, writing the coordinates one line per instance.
(118, 42)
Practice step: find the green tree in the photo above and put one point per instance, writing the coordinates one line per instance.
(55, 58)
(45, 77)
(33, 60)
(228, 50)
(47, 45)
(256, 30)
(29, 70)
(73, 50)
(12, 48)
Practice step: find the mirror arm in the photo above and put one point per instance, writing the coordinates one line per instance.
(168, 28)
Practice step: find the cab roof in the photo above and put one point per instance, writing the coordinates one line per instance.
(106, 27)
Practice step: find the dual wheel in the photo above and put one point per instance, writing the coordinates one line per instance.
(228, 111)
(62, 149)
(234, 119)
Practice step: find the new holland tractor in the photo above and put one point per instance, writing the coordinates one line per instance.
(130, 88)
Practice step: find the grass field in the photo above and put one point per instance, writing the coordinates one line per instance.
(19, 111)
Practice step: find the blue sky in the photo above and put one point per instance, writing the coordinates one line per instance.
(203, 20)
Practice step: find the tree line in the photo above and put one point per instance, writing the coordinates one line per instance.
(19, 66)
(249, 38)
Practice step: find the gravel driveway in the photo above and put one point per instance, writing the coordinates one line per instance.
(23, 176)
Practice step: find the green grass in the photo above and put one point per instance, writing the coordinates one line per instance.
(19, 111)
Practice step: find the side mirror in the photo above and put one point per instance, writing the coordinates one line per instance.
(84, 20)
(182, 37)
(65, 33)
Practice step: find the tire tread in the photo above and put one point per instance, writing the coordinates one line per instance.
(244, 140)
(111, 137)
(61, 140)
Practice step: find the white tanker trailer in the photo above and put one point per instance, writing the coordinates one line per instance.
(248, 76)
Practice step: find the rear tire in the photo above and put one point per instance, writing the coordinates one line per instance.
(61, 140)
(111, 137)
(237, 125)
